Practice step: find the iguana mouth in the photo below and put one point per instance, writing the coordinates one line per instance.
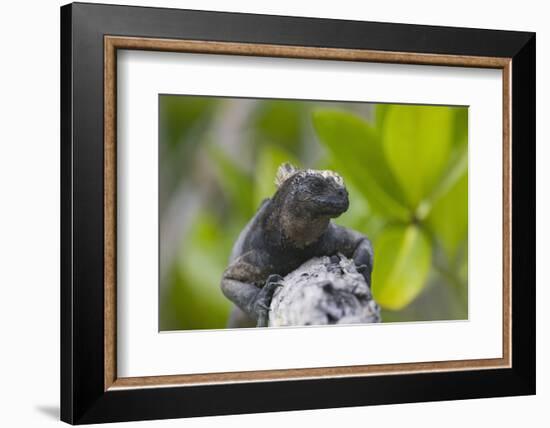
(335, 206)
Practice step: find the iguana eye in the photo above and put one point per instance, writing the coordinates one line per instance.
(317, 185)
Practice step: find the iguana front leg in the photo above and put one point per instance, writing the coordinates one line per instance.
(353, 245)
(244, 283)
(363, 256)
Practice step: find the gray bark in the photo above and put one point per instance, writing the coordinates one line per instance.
(324, 290)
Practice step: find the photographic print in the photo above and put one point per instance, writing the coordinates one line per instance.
(281, 212)
(322, 201)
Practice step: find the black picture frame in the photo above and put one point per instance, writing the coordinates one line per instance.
(83, 396)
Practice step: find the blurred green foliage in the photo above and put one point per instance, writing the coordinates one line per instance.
(405, 167)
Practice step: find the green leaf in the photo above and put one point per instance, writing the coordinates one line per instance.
(195, 295)
(356, 150)
(380, 113)
(448, 218)
(463, 270)
(460, 130)
(456, 169)
(179, 115)
(402, 260)
(202, 256)
(417, 141)
(236, 183)
(269, 159)
(280, 122)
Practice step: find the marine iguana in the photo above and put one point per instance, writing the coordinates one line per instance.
(287, 230)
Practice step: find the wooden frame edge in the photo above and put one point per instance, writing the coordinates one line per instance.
(300, 374)
(109, 198)
(301, 52)
(507, 213)
(112, 43)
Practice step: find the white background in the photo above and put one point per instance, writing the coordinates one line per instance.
(29, 218)
(142, 351)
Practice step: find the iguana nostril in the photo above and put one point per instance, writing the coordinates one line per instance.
(328, 287)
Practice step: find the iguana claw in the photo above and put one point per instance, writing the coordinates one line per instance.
(263, 299)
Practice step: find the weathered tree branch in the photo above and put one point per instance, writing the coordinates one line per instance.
(324, 290)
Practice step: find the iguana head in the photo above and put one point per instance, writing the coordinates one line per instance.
(312, 193)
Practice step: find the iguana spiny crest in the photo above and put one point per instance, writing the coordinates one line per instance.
(287, 170)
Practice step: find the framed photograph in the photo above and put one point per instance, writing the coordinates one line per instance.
(265, 213)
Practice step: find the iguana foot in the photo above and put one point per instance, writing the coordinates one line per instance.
(364, 270)
(263, 299)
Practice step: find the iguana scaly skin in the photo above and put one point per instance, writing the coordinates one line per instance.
(287, 230)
